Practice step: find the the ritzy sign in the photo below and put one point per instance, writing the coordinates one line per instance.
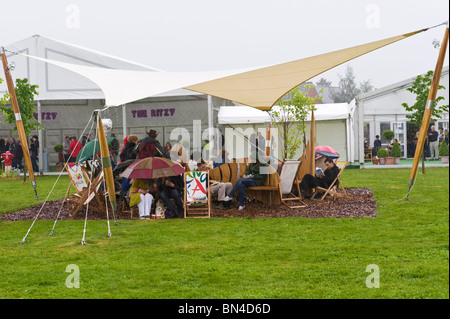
(46, 116)
(169, 112)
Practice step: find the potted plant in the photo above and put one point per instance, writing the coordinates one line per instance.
(59, 149)
(389, 135)
(375, 160)
(443, 152)
(396, 153)
(381, 154)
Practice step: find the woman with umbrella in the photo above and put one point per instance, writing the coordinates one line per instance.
(151, 168)
(141, 195)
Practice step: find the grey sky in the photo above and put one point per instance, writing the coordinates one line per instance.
(198, 35)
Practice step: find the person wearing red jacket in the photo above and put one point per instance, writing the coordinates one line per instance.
(74, 148)
(7, 158)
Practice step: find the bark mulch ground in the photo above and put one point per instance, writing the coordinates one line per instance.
(360, 203)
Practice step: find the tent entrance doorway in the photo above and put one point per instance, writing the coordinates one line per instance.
(399, 129)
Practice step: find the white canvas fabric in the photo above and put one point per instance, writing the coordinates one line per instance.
(256, 87)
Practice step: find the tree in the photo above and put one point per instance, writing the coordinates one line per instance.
(290, 115)
(421, 88)
(323, 82)
(365, 86)
(25, 93)
(349, 88)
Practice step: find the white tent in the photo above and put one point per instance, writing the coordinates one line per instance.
(242, 115)
(56, 83)
(334, 127)
(66, 99)
(382, 109)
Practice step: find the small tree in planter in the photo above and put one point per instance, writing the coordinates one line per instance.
(443, 152)
(396, 152)
(389, 135)
(59, 149)
(381, 154)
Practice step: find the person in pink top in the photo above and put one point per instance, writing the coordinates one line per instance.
(7, 157)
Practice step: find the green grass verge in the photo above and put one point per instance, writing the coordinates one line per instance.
(239, 258)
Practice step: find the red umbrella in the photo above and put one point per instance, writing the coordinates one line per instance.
(153, 167)
(324, 148)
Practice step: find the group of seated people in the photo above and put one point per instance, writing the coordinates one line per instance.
(144, 193)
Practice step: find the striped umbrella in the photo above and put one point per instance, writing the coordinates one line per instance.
(153, 167)
(325, 148)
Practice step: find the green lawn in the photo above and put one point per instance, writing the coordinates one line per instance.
(239, 258)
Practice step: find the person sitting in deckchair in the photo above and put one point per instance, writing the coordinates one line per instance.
(141, 196)
(218, 189)
(325, 180)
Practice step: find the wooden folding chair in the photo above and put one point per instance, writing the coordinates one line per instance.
(79, 177)
(288, 178)
(337, 182)
(92, 196)
(126, 203)
(197, 195)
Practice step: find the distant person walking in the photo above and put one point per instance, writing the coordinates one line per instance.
(433, 139)
(34, 152)
(16, 150)
(66, 145)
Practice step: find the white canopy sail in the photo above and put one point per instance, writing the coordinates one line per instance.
(257, 87)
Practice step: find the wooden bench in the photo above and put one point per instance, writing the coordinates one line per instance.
(270, 190)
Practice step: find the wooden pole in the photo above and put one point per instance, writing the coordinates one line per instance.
(268, 139)
(428, 110)
(313, 144)
(19, 123)
(106, 164)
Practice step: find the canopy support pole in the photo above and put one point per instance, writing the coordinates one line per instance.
(428, 110)
(106, 164)
(313, 144)
(19, 123)
(41, 142)
(210, 126)
(124, 120)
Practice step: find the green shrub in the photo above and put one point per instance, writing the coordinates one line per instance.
(382, 153)
(58, 148)
(396, 151)
(388, 135)
(443, 149)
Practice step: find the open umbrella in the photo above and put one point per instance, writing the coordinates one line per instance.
(88, 149)
(325, 148)
(320, 154)
(153, 167)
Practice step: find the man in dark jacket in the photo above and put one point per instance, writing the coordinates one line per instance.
(325, 180)
(34, 152)
(16, 150)
(252, 177)
(128, 151)
(151, 139)
(172, 187)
